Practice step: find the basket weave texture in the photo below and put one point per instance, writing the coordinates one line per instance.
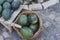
(40, 23)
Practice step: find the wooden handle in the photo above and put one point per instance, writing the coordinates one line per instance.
(12, 24)
(18, 26)
(15, 25)
(9, 24)
(29, 0)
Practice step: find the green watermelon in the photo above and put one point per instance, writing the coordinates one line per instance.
(34, 27)
(10, 1)
(22, 20)
(1, 1)
(33, 19)
(6, 5)
(6, 14)
(15, 5)
(0, 10)
(26, 32)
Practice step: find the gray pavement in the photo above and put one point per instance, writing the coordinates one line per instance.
(51, 26)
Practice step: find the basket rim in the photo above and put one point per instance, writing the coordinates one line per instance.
(40, 23)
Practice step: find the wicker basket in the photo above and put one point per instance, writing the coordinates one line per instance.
(40, 23)
(29, 0)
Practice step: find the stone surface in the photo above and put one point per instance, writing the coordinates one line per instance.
(1, 37)
(5, 35)
(47, 24)
(52, 16)
(8, 39)
(51, 26)
(57, 19)
(4, 29)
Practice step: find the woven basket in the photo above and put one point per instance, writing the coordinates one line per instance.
(40, 23)
(29, 0)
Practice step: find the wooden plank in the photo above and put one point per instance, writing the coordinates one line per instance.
(49, 3)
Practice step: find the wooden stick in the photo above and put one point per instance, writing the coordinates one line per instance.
(9, 28)
(49, 3)
(5, 23)
(29, 0)
(12, 24)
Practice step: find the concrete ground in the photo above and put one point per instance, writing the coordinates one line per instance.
(51, 26)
